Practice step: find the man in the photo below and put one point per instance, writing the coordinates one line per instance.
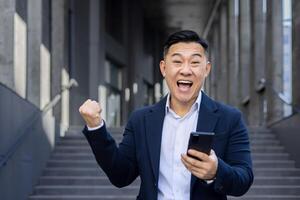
(155, 140)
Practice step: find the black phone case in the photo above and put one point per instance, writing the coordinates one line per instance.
(201, 141)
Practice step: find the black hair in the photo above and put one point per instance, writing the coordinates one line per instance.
(184, 36)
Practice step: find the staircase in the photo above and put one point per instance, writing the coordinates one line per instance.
(275, 174)
(72, 172)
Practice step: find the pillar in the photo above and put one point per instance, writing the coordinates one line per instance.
(7, 10)
(296, 53)
(34, 39)
(223, 86)
(257, 68)
(233, 72)
(79, 56)
(96, 46)
(274, 60)
(58, 45)
(215, 61)
(20, 47)
(244, 55)
(45, 52)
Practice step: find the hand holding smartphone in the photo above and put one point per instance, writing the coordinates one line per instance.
(201, 141)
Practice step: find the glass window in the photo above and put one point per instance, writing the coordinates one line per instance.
(148, 93)
(287, 55)
(113, 96)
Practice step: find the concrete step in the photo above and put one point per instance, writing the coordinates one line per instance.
(72, 163)
(85, 190)
(273, 163)
(270, 156)
(271, 142)
(93, 164)
(89, 156)
(265, 144)
(274, 190)
(80, 136)
(266, 197)
(259, 129)
(72, 149)
(75, 131)
(70, 171)
(72, 156)
(79, 143)
(78, 180)
(262, 136)
(275, 172)
(276, 180)
(267, 149)
(75, 142)
(83, 197)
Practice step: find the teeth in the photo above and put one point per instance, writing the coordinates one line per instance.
(185, 82)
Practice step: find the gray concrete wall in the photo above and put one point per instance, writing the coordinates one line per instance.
(23, 169)
(288, 132)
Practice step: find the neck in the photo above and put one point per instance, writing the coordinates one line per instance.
(179, 108)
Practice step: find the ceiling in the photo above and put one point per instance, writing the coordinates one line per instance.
(173, 15)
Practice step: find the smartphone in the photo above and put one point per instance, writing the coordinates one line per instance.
(201, 141)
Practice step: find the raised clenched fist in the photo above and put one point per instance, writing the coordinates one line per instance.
(90, 112)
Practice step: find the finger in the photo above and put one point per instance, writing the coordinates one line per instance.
(188, 165)
(194, 170)
(189, 160)
(192, 163)
(200, 155)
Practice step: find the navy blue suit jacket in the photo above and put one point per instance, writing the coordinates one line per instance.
(139, 152)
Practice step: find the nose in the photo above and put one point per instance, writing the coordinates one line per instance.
(186, 69)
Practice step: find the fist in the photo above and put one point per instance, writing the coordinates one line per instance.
(90, 112)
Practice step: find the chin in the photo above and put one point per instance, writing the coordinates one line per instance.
(185, 99)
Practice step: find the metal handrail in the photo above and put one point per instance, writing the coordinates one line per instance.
(280, 96)
(262, 86)
(33, 118)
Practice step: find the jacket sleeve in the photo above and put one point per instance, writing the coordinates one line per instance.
(234, 174)
(118, 163)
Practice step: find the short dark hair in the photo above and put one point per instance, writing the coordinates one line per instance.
(184, 36)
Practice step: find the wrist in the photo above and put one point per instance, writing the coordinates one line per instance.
(95, 127)
(94, 124)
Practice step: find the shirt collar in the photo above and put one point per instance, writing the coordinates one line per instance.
(195, 105)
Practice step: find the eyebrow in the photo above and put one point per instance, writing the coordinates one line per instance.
(178, 54)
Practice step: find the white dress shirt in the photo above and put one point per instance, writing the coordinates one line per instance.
(174, 179)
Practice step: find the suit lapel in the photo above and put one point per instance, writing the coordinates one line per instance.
(154, 124)
(207, 120)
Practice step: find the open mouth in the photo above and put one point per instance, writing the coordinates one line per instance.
(184, 84)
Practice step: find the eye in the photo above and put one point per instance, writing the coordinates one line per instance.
(177, 61)
(195, 63)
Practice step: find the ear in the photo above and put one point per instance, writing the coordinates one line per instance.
(207, 68)
(162, 66)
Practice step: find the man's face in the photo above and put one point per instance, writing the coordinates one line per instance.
(185, 67)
